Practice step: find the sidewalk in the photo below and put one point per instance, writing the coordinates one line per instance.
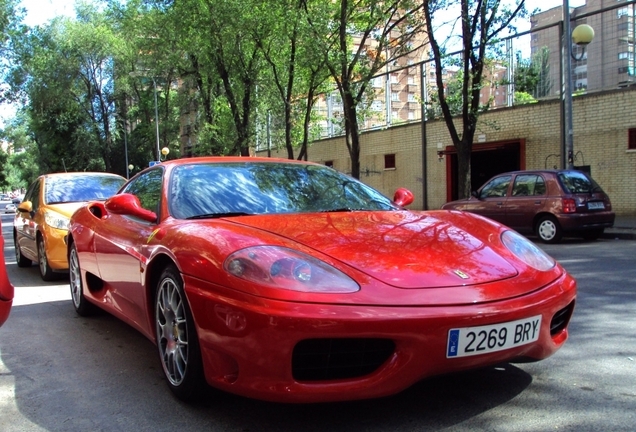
(624, 229)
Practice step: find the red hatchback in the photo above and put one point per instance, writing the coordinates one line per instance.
(548, 203)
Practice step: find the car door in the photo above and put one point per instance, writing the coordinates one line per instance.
(120, 250)
(492, 198)
(25, 223)
(527, 197)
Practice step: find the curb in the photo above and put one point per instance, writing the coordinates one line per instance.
(619, 235)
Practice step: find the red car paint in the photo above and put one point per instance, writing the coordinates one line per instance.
(420, 274)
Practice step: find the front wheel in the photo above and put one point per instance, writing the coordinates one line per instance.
(549, 230)
(45, 269)
(177, 338)
(82, 306)
(20, 259)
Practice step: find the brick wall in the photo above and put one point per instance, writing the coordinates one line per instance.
(601, 122)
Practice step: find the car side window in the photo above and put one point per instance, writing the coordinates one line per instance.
(496, 187)
(147, 187)
(33, 195)
(528, 185)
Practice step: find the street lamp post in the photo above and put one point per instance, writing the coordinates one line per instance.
(154, 85)
(582, 35)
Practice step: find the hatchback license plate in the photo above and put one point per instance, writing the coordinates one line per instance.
(595, 206)
(470, 341)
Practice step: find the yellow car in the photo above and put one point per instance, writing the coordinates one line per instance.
(41, 222)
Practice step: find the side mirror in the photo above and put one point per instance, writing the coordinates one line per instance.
(129, 205)
(475, 194)
(25, 207)
(403, 197)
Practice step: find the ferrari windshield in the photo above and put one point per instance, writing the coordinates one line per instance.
(230, 189)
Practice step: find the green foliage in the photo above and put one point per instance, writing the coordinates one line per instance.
(522, 98)
(533, 76)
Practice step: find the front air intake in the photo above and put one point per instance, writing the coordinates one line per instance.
(332, 359)
(561, 319)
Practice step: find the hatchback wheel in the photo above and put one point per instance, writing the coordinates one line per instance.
(45, 269)
(549, 230)
(20, 259)
(177, 339)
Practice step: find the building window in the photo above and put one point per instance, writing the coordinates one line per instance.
(631, 141)
(329, 163)
(394, 79)
(395, 96)
(412, 97)
(389, 161)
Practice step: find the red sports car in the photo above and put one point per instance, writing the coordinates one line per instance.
(6, 289)
(289, 281)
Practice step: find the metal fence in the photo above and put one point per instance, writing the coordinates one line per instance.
(520, 69)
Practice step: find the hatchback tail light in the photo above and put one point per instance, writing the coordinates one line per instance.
(569, 205)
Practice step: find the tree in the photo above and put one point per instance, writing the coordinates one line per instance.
(533, 76)
(482, 22)
(289, 49)
(358, 39)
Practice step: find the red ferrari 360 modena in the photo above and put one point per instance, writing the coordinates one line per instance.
(289, 281)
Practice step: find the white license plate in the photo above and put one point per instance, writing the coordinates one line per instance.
(470, 341)
(595, 206)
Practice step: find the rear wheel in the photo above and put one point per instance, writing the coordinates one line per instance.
(82, 306)
(549, 230)
(45, 269)
(177, 338)
(20, 259)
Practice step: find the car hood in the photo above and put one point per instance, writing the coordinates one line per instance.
(66, 209)
(400, 248)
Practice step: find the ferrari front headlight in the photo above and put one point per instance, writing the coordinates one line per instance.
(56, 220)
(527, 251)
(280, 267)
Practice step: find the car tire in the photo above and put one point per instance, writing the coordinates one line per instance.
(177, 339)
(592, 235)
(21, 260)
(549, 230)
(82, 306)
(46, 272)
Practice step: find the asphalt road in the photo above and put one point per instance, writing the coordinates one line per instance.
(60, 372)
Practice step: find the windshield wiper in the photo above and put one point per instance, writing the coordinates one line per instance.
(218, 215)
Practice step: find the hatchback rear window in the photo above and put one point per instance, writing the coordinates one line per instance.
(578, 182)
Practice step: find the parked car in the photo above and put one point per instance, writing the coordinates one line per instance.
(10, 208)
(547, 203)
(41, 222)
(6, 289)
(288, 281)
(17, 199)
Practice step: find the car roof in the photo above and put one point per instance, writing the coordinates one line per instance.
(234, 159)
(79, 173)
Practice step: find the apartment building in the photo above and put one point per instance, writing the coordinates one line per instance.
(608, 62)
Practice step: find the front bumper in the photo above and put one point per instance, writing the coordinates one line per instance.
(248, 343)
